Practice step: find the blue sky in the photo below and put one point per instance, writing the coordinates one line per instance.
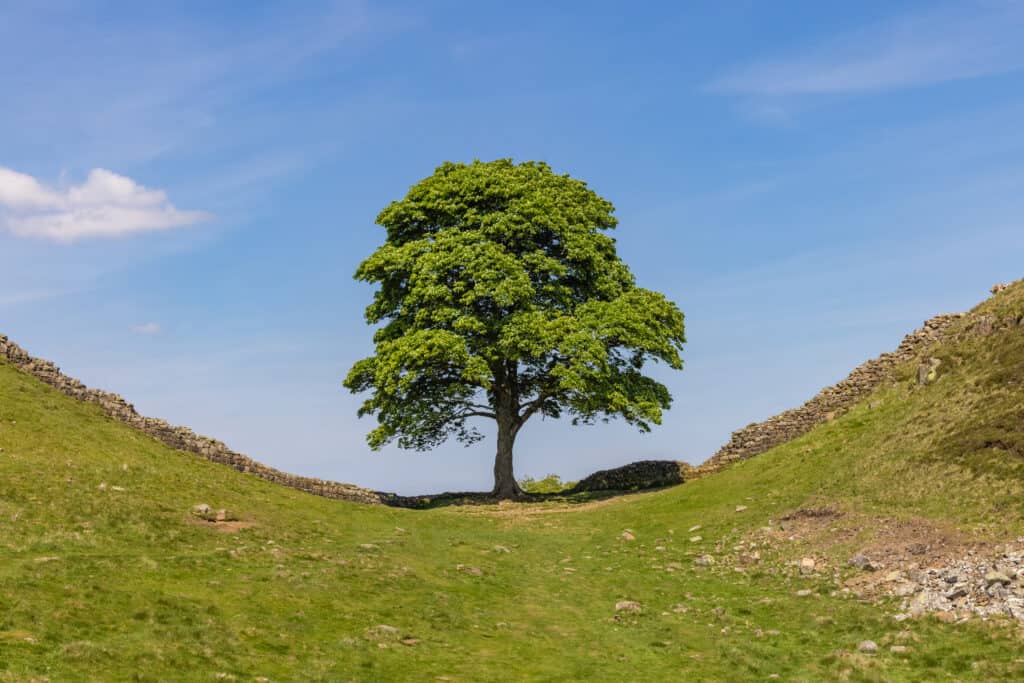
(186, 189)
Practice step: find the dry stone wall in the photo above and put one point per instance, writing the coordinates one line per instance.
(182, 438)
(830, 402)
(748, 442)
(644, 474)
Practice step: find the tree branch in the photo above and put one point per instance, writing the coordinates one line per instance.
(476, 413)
(533, 406)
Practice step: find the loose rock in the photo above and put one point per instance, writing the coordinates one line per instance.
(862, 562)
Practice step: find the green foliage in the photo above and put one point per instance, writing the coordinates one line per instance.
(549, 484)
(501, 296)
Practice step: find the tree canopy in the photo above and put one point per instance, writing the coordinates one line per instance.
(501, 296)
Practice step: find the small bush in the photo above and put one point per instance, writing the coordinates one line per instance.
(549, 484)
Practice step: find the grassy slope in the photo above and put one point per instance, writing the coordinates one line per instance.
(137, 590)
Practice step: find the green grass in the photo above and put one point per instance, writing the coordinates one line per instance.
(112, 584)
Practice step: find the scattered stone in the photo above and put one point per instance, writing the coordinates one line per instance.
(751, 558)
(627, 536)
(223, 515)
(905, 589)
(994, 577)
(205, 512)
(696, 539)
(862, 562)
(384, 628)
(628, 606)
(469, 569)
(997, 591)
(917, 548)
(804, 592)
(807, 566)
(898, 649)
(957, 593)
(927, 372)
(867, 646)
(900, 617)
(409, 641)
(704, 560)
(501, 549)
(695, 527)
(741, 508)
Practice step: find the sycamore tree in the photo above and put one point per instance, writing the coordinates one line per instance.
(501, 297)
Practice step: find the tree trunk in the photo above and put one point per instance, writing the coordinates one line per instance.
(505, 485)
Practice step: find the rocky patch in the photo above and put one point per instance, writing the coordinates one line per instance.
(979, 584)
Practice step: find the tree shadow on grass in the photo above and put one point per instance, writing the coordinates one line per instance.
(467, 498)
(637, 477)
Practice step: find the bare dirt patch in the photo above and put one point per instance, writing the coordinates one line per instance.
(226, 527)
(532, 509)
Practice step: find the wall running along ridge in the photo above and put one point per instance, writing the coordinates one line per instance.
(833, 401)
(752, 440)
(830, 402)
(182, 438)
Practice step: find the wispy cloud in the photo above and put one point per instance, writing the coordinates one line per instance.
(980, 39)
(147, 329)
(105, 205)
(165, 83)
(17, 298)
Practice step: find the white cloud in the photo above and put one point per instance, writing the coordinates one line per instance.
(955, 43)
(105, 205)
(147, 328)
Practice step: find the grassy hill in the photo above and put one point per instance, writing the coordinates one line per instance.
(106, 575)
